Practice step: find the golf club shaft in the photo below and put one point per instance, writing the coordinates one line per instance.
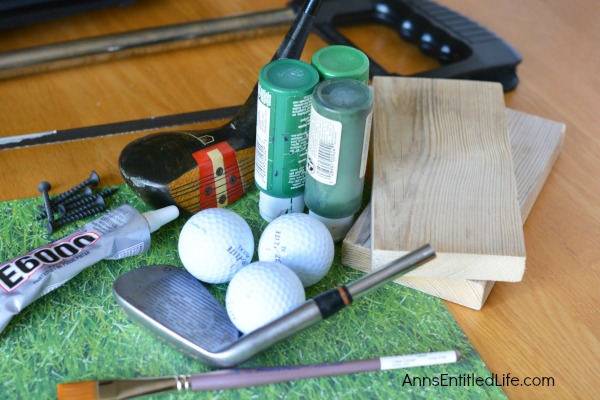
(103, 48)
(313, 311)
(391, 271)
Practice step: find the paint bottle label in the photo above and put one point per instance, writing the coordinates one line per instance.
(324, 148)
(263, 126)
(338, 146)
(282, 152)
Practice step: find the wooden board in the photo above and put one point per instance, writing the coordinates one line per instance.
(536, 143)
(443, 174)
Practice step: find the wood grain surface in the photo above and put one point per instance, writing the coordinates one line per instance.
(443, 174)
(535, 145)
(545, 326)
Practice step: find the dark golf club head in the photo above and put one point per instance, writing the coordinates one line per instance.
(197, 169)
(204, 169)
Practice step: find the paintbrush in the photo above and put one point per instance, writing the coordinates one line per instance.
(242, 378)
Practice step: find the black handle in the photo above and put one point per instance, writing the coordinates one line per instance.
(465, 49)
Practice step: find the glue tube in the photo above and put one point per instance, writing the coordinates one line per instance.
(283, 113)
(121, 233)
(338, 144)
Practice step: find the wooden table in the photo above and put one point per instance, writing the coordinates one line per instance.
(545, 326)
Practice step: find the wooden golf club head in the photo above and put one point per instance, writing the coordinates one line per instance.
(194, 170)
(204, 169)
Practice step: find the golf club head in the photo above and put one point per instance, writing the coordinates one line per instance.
(176, 307)
(205, 169)
(173, 305)
(194, 170)
(179, 310)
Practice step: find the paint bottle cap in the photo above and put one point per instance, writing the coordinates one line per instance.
(160, 217)
(272, 207)
(288, 77)
(342, 96)
(338, 227)
(341, 62)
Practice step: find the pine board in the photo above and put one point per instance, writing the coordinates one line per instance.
(535, 143)
(443, 174)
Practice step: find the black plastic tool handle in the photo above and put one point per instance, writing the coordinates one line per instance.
(464, 48)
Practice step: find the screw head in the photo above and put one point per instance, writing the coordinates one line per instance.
(44, 186)
(94, 179)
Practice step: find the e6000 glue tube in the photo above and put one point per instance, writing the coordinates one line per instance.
(118, 234)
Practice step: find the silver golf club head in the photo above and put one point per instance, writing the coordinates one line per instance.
(178, 309)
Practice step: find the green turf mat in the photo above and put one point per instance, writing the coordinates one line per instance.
(78, 332)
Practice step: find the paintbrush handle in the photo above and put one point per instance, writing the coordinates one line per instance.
(242, 378)
(121, 389)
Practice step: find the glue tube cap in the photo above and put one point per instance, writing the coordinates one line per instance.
(160, 217)
(272, 207)
(338, 227)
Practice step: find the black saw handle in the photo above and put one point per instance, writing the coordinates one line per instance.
(464, 48)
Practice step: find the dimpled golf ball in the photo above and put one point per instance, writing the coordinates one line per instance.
(214, 244)
(260, 293)
(300, 242)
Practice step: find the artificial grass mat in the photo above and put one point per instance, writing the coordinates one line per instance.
(78, 332)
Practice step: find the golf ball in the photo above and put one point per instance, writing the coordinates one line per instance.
(260, 293)
(300, 242)
(214, 244)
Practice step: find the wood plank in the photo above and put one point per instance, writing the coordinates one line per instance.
(443, 174)
(535, 143)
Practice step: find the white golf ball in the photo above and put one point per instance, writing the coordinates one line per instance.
(260, 293)
(300, 242)
(214, 244)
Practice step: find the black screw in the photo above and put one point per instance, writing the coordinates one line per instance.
(64, 208)
(93, 180)
(97, 201)
(44, 187)
(108, 192)
(85, 193)
(88, 212)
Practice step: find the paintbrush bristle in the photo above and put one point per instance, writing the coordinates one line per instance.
(87, 390)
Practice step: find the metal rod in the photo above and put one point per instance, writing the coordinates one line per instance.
(170, 37)
(391, 271)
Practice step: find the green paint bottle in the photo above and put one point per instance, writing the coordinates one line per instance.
(283, 114)
(340, 127)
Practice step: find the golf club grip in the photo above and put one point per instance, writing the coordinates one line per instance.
(464, 48)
